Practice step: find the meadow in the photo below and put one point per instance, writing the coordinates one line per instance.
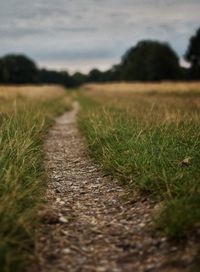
(25, 115)
(148, 136)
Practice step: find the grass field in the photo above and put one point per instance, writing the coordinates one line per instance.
(25, 115)
(148, 135)
(164, 87)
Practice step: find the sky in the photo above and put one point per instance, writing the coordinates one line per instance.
(78, 35)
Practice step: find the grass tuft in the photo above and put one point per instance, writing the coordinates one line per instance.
(23, 125)
(151, 143)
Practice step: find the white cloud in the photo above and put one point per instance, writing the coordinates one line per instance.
(86, 33)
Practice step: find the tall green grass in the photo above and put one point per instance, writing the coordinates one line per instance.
(152, 144)
(22, 179)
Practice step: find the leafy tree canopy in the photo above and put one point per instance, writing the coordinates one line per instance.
(18, 69)
(149, 61)
(193, 55)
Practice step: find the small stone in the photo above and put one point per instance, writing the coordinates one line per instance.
(66, 250)
(142, 225)
(62, 219)
(62, 203)
(174, 248)
(163, 239)
(101, 269)
(150, 267)
(65, 232)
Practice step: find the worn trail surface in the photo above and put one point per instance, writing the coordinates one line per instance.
(90, 225)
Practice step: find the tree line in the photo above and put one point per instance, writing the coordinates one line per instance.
(153, 61)
(147, 61)
(19, 69)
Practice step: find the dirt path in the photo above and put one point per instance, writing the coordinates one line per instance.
(90, 225)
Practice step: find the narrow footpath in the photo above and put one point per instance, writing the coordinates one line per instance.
(91, 225)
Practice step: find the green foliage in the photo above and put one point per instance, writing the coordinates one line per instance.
(180, 215)
(17, 69)
(55, 77)
(79, 78)
(150, 61)
(153, 148)
(193, 55)
(22, 178)
(95, 76)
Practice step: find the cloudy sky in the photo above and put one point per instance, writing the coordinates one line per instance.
(81, 34)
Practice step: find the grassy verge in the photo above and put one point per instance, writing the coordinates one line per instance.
(23, 123)
(151, 142)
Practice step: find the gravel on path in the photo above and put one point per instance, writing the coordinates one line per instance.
(90, 223)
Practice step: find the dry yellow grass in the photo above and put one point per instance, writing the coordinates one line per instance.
(148, 136)
(25, 115)
(181, 87)
(35, 92)
(12, 97)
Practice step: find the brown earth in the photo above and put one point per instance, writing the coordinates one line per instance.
(91, 224)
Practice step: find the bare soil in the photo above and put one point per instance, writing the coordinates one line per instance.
(90, 222)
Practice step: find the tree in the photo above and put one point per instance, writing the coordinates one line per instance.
(18, 69)
(103, 76)
(57, 77)
(193, 55)
(149, 61)
(2, 76)
(94, 76)
(79, 78)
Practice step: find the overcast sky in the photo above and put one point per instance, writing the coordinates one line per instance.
(81, 34)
